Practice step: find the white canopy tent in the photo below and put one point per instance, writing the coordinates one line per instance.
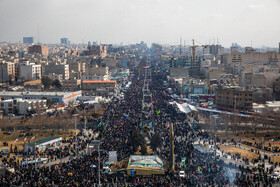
(186, 108)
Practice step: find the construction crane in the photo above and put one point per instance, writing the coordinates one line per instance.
(193, 47)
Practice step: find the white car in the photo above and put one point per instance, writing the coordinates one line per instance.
(182, 174)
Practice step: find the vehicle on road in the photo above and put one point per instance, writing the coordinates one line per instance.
(182, 174)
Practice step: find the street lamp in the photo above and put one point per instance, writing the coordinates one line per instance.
(76, 143)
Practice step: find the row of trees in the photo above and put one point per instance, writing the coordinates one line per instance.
(47, 82)
(266, 119)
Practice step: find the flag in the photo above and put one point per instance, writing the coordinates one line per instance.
(16, 140)
(271, 140)
(33, 138)
(158, 112)
(25, 139)
(99, 124)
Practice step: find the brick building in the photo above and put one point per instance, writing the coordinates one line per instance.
(40, 49)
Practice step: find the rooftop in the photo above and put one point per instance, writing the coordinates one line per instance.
(45, 140)
(99, 81)
(10, 93)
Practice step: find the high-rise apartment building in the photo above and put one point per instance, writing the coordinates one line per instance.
(255, 80)
(58, 69)
(28, 40)
(213, 49)
(7, 71)
(97, 50)
(65, 41)
(30, 71)
(40, 49)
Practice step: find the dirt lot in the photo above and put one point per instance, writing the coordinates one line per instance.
(234, 150)
(39, 134)
(251, 137)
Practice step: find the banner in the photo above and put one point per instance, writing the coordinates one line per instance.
(113, 156)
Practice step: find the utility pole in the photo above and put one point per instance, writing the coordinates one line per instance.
(235, 102)
(273, 152)
(85, 119)
(263, 156)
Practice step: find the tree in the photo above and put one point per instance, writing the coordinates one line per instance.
(143, 150)
(56, 84)
(136, 140)
(156, 142)
(46, 81)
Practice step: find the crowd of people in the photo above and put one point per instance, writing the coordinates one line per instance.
(118, 124)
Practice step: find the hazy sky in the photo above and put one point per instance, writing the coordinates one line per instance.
(131, 21)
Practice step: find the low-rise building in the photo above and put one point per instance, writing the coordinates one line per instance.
(99, 88)
(276, 88)
(214, 73)
(72, 84)
(22, 106)
(59, 69)
(253, 80)
(57, 97)
(30, 71)
(261, 95)
(39, 49)
(7, 71)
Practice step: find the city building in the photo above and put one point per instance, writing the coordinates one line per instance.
(58, 69)
(253, 80)
(65, 41)
(28, 40)
(30, 71)
(235, 60)
(72, 52)
(261, 95)
(57, 97)
(72, 84)
(231, 98)
(179, 72)
(7, 71)
(97, 71)
(96, 50)
(216, 50)
(276, 88)
(99, 88)
(21, 106)
(39, 49)
(195, 89)
(214, 73)
(77, 70)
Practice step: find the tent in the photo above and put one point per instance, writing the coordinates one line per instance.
(186, 108)
(145, 165)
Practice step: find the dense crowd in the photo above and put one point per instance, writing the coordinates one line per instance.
(121, 119)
